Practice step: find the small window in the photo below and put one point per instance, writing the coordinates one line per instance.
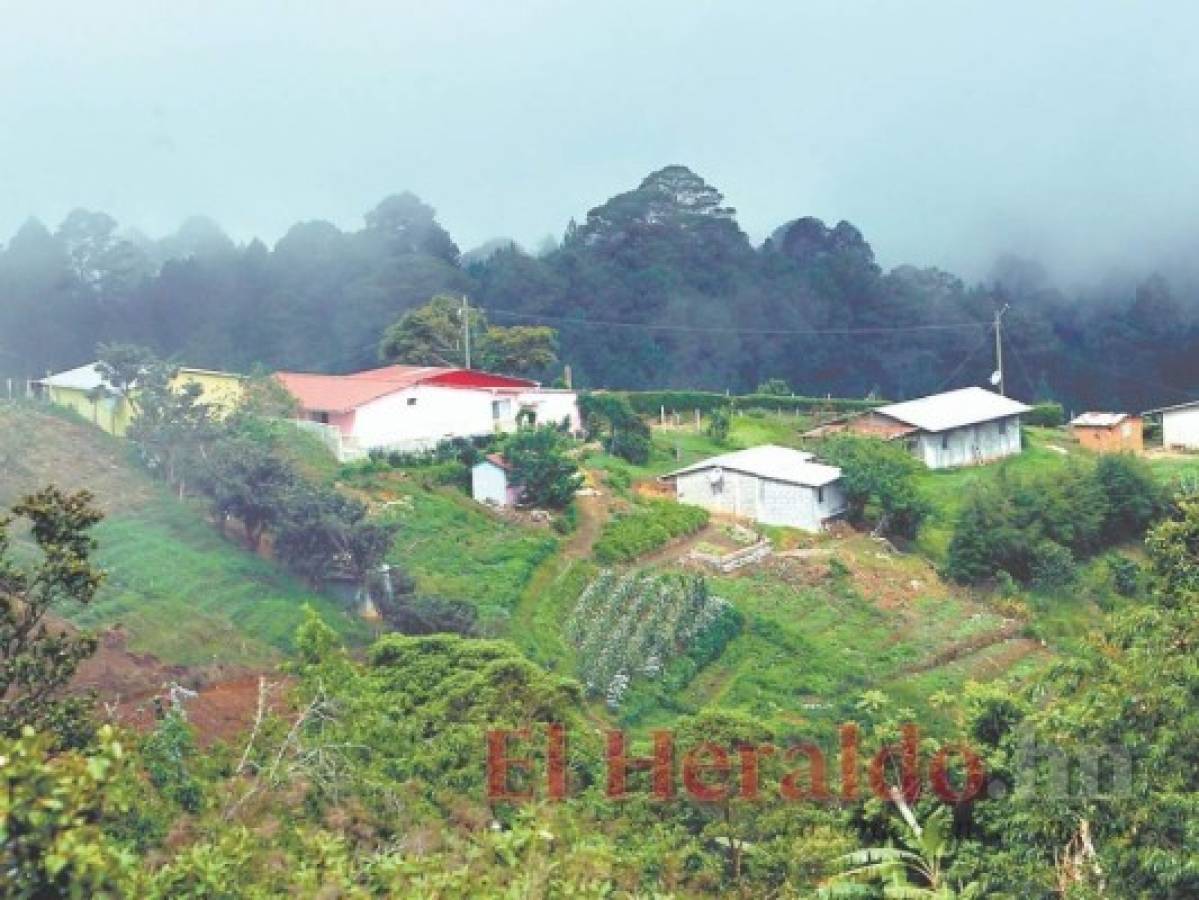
(322, 417)
(500, 409)
(1003, 426)
(412, 401)
(820, 495)
(945, 442)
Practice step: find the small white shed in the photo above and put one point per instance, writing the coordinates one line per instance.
(1180, 424)
(769, 484)
(491, 482)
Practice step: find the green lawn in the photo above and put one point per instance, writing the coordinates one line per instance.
(675, 447)
(190, 597)
(456, 549)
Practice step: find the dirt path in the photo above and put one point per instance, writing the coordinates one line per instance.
(593, 513)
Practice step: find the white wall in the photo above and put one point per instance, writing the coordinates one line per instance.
(552, 406)
(489, 483)
(424, 415)
(1180, 427)
(419, 417)
(762, 499)
(969, 445)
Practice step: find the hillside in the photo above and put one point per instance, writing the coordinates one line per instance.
(180, 591)
(837, 616)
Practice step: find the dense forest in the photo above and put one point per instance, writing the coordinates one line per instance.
(657, 287)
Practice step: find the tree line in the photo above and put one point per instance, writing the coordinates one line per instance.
(656, 288)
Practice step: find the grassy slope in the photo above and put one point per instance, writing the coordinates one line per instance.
(453, 547)
(182, 592)
(813, 644)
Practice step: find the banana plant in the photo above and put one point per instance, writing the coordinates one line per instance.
(913, 871)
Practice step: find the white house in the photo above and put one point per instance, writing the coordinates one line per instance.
(957, 428)
(491, 482)
(769, 484)
(413, 408)
(1180, 424)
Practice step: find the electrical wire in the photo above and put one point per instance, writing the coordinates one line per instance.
(609, 323)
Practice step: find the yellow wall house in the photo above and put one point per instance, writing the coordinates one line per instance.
(85, 391)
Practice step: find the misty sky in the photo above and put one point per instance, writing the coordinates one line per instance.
(949, 132)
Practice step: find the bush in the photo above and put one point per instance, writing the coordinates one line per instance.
(417, 615)
(775, 387)
(719, 423)
(569, 520)
(1051, 566)
(879, 479)
(610, 419)
(1016, 524)
(540, 463)
(1125, 574)
(648, 527)
(1046, 414)
(1134, 498)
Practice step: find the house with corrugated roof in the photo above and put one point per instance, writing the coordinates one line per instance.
(768, 484)
(1180, 425)
(84, 390)
(964, 427)
(413, 408)
(1107, 432)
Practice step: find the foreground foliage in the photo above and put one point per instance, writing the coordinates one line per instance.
(37, 661)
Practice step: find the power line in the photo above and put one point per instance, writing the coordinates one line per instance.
(962, 365)
(608, 323)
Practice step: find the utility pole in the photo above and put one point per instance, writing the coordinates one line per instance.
(999, 345)
(466, 328)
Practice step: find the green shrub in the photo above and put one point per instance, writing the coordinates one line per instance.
(1046, 414)
(649, 526)
(1125, 574)
(569, 520)
(1051, 566)
(879, 480)
(1081, 508)
(719, 423)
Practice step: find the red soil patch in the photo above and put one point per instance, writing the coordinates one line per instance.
(133, 687)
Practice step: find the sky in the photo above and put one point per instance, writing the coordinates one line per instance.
(949, 132)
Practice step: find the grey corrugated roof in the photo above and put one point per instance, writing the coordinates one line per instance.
(1162, 409)
(1098, 419)
(82, 378)
(770, 461)
(954, 409)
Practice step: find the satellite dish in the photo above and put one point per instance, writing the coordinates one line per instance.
(996, 378)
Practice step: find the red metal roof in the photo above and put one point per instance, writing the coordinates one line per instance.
(342, 393)
(497, 459)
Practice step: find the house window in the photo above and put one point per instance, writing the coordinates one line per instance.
(1003, 426)
(820, 495)
(500, 409)
(322, 417)
(412, 401)
(945, 442)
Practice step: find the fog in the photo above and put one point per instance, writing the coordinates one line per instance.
(950, 133)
